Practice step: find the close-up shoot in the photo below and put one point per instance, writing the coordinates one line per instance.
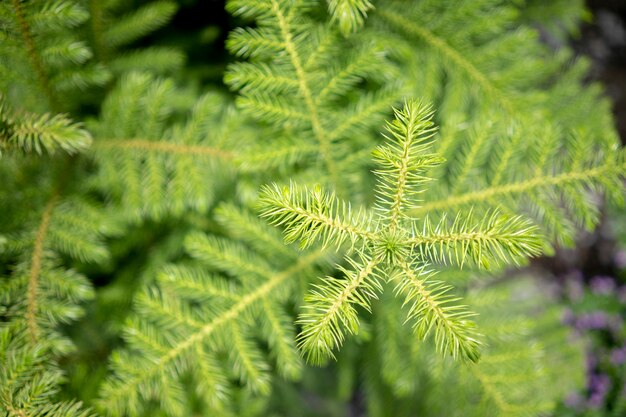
(312, 208)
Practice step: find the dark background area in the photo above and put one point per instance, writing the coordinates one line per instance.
(604, 42)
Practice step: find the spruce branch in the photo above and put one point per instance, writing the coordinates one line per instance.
(167, 170)
(284, 25)
(207, 325)
(41, 293)
(393, 246)
(503, 148)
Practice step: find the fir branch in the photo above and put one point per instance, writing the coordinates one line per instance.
(281, 344)
(358, 115)
(403, 160)
(244, 226)
(495, 237)
(41, 293)
(138, 23)
(517, 374)
(169, 169)
(300, 81)
(29, 381)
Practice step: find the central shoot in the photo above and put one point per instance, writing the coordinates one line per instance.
(386, 245)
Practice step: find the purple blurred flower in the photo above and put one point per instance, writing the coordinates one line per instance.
(618, 356)
(602, 285)
(620, 259)
(599, 385)
(592, 321)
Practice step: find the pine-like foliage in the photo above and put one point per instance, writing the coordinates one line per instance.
(516, 376)
(41, 60)
(519, 372)
(166, 167)
(113, 26)
(304, 80)
(201, 328)
(392, 247)
(44, 66)
(350, 15)
(41, 292)
(127, 235)
(41, 288)
(503, 132)
(39, 133)
(27, 381)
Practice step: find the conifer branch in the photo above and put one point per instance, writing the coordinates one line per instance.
(403, 159)
(97, 29)
(331, 308)
(139, 23)
(450, 53)
(116, 391)
(312, 215)
(35, 270)
(305, 90)
(350, 14)
(33, 55)
(517, 374)
(246, 227)
(513, 188)
(392, 244)
(287, 358)
(161, 147)
(495, 237)
(477, 144)
(433, 308)
(29, 379)
(371, 105)
(260, 158)
(505, 159)
(195, 283)
(39, 133)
